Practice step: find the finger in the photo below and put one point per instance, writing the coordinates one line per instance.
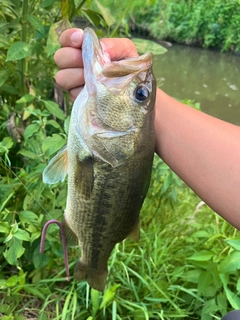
(71, 38)
(68, 58)
(69, 78)
(119, 48)
(74, 93)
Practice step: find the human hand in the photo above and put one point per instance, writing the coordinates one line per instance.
(69, 58)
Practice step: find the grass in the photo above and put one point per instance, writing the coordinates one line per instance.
(174, 272)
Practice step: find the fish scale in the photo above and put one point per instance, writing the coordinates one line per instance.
(108, 157)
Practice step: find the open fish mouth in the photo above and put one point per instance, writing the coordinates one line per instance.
(116, 75)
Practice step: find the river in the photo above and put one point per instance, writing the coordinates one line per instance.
(209, 77)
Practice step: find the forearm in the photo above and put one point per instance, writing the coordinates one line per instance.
(203, 151)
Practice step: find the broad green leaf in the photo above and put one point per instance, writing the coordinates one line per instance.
(191, 275)
(233, 299)
(30, 130)
(26, 98)
(4, 227)
(18, 50)
(200, 234)
(54, 124)
(66, 124)
(54, 33)
(22, 235)
(53, 144)
(107, 15)
(34, 235)
(231, 263)
(221, 300)
(8, 238)
(210, 306)
(7, 143)
(4, 74)
(67, 7)
(47, 3)
(26, 113)
(39, 260)
(109, 295)
(37, 112)
(12, 281)
(54, 109)
(29, 217)
(201, 256)
(28, 154)
(95, 297)
(14, 251)
(144, 46)
(91, 15)
(204, 281)
(235, 243)
(36, 23)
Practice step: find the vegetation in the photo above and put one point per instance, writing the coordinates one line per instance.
(186, 264)
(207, 23)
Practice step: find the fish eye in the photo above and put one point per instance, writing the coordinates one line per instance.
(141, 93)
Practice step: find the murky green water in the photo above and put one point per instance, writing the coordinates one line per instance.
(209, 77)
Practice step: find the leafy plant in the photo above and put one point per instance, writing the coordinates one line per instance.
(33, 127)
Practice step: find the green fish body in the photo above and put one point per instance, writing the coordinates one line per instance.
(108, 157)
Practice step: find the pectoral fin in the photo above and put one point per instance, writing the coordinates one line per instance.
(113, 148)
(57, 168)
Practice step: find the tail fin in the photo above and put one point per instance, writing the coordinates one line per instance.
(95, 278)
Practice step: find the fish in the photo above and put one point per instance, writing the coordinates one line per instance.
(108, 157)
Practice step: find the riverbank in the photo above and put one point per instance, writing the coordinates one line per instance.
(202, 23)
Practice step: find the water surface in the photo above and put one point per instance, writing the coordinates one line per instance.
(209, 77)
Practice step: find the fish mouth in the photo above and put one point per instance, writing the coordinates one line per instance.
(99, 67)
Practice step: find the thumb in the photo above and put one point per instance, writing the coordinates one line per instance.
(119, 48)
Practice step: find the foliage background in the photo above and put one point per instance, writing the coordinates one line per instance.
(186, 264)
(207, 23)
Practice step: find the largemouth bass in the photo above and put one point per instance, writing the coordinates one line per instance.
(108, 157)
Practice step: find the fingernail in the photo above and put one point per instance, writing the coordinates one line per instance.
(77, 37)
(103, 46)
